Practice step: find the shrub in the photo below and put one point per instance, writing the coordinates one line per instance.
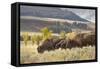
(25, 37)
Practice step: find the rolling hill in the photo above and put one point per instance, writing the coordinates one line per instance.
(48, 12)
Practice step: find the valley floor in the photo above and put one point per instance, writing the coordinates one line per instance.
(29, 54)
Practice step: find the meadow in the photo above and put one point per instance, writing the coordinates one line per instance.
(29, 53)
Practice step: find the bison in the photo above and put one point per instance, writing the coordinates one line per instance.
(47, 45)
(52, 44)
(80, 40)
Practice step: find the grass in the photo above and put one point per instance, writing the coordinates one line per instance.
(29, 54)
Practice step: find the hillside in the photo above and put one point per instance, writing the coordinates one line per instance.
(49, 12)
(35, 25)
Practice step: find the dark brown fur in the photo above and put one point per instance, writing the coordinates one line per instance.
(83, 39)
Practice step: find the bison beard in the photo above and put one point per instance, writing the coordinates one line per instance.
(78, 41)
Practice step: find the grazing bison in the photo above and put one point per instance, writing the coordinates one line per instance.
(52, 44)
(80, 40)
(47, 45)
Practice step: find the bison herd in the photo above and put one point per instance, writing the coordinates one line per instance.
(80, 40)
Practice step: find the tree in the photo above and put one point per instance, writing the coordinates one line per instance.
(33, 39)
(46, 33)
(25, 37)
(62, 35)
(36, 39)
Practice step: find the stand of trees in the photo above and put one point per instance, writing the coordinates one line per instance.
(36, 39)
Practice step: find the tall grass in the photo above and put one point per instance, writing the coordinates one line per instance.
(29, 54)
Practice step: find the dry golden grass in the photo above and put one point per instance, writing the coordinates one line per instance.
(29, 54)
(71, 35)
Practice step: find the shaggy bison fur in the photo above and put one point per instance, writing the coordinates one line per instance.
(80, 40)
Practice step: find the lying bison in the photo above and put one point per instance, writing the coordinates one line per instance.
(79, 41)
(86, 39)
